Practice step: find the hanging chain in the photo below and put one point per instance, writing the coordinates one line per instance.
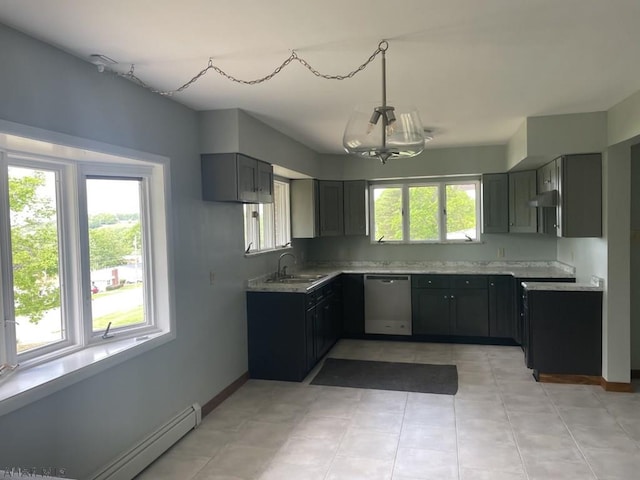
(382, 47)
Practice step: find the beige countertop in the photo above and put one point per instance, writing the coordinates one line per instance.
(562, 286)
(522, 270)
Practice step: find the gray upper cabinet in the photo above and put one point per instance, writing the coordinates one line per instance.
(356, 211)
(579, 213)
(522, 188)
(305, 215)
(265, 182)
(331, 208)
(495, 203)
(233, 177)
(326, 208)
(547, 181)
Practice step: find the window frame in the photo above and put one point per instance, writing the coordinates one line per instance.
(441, 183)
(257, 236)
(72, 219)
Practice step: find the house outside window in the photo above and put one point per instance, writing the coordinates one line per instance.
(83, 250)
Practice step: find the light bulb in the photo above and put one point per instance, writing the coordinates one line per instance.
(370, 127)
(391, 129)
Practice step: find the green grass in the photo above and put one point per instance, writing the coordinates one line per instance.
(119, 319)
(104, 293)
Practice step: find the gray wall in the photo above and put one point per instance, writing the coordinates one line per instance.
(635, 257)
(88, 424)
(516, 246)
(432, 162)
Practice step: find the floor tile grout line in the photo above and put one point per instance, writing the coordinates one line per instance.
(395, 457)
(455, 421)
(557, 410)
(637, 444)
(507, 413)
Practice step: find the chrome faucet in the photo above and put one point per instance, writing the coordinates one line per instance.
(283, 271)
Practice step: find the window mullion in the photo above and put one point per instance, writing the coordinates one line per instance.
(442, 209)
(405, 214)
(82, 267)
(7, 324)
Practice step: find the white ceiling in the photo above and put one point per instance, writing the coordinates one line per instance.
(475, 69)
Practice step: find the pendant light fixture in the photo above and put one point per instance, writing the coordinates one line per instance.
(385, 131)
(377, 131)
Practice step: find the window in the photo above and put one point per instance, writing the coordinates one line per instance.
(267, 226)
(79, 241)
(421, 212)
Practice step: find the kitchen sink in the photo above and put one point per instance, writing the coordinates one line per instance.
(297, 278)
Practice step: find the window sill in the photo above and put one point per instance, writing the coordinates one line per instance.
(271, 250)
(30, 384)
(450, 242)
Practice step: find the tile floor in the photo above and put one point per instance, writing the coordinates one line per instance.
(501, 425)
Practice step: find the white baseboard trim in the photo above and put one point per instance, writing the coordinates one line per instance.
(136, 459)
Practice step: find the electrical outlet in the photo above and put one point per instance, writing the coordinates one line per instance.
(211, 277)
(500, 252)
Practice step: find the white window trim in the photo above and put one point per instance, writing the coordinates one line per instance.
(441, 183)
(36, 380)
(256, 232)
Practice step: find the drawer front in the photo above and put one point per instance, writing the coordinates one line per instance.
(430, 281)
(470, 281)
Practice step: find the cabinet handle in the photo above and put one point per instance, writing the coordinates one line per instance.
(467, 282)
(511, 224)
(445, 297)
(452, 297)
(492, 284)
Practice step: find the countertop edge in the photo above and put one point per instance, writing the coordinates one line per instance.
(518, 272)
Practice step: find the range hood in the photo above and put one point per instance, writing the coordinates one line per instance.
(545, 199)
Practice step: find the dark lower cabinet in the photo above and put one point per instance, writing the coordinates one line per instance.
(430, 312)
(352, 305)
(521, 333)
(449, 305)
(328, 317)
(564, 332)
(289, 332)
(502, 319)
(469, 312)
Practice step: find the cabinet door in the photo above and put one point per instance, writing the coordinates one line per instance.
(323, 327)
(502, 322)
(356, 212)
(547, 180)
(495, 203)
(331, 208)
(305, 217)
(469, 312)
(522, 188)
(352, 305)
(247, 179)
(265, 182)
(580, 189)
(336, 313)
(310, 345)
(430, 311)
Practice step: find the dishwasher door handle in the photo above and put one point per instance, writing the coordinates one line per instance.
(387, 278)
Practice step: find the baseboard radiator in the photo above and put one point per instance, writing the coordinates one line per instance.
(136, 459)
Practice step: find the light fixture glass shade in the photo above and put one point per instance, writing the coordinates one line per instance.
(384, 132)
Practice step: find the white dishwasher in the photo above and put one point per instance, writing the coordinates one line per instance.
(387, 304)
